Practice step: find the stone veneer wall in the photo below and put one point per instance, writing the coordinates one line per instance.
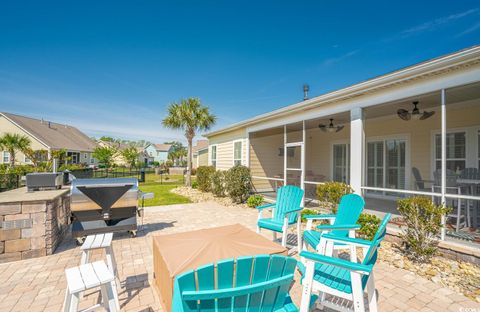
(33, 229)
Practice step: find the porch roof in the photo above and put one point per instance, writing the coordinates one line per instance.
(430, 67)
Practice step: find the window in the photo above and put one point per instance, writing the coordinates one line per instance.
(6, 157)
(237, 153)
(386, 161)
(341, 163)
(214, 156)
(27, 160)
(73, 157)
(456, 151)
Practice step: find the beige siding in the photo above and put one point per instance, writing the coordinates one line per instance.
(8, 127)
(224, 145)
(203, 157)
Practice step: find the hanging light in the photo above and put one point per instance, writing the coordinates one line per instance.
(331, 127)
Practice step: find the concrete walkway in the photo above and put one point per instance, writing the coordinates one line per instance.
(39, 284)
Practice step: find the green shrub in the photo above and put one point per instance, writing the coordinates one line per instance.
(423, 223)
(204, 178)
(369, 225)
(238, 183)
(194, 184)
(218, 183)
(255, 200)
(307, 212)
(330, 194)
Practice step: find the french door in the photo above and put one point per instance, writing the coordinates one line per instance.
(386, 163)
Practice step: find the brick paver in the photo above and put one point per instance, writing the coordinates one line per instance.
(39, 284)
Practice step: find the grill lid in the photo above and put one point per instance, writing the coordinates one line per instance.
(105, 196)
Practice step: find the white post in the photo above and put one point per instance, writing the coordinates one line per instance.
(444, 158)
(284, 155)
(302, 165)
(357, 138)
(247, 152)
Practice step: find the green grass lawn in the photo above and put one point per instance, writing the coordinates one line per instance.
(161, 191)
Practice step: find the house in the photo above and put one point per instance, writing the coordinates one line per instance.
(200, 154)
(383, 136)
(118, 159)
(159, 152)
(49, 136)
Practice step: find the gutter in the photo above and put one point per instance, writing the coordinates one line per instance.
(408, 73)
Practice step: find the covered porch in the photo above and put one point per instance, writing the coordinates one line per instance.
(386, 151)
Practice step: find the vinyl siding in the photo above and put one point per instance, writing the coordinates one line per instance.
(224, 143)
(8, 127)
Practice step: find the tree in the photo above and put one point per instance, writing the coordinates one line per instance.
(105, 154)
(13, 143)
(36, 157)
(190, 116)
(130, 155)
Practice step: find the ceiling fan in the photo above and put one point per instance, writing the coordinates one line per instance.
(415, 114)
(330, 127)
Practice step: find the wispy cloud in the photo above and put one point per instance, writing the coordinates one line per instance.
(471, 29)
(434, 24)
(340, 58)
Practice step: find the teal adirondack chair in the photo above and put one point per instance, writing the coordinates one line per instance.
(342, 224)
(286, 212)
(333, 278)
(259, 283)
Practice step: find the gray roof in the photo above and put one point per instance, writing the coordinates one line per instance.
(54, 135)
(162, 147)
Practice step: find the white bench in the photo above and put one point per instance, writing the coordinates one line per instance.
(88, 276)
(99, 241)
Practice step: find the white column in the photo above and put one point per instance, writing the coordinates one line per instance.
(302, 165)
(444, 156)
(285, 155)
(357, 146)
(247, 152)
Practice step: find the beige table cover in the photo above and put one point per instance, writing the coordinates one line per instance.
(176, 253)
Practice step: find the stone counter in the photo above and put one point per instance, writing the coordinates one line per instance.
(32, 224)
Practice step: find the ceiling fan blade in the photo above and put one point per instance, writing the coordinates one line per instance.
(426, 115)
(403, 114)
(339, 128)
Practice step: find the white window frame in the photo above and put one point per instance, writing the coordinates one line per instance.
(241, 152)
(332, 158)
(26, 159)
(6, 155)
(210, 154)
(408, 165)
(472, 150)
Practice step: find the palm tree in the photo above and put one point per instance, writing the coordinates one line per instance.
(190, 116)
(13, 143)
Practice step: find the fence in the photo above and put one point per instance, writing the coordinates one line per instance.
(10, 181)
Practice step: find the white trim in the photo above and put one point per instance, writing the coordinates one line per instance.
(455, 78)
(241, 151)
(23, 129)
(210, 153)
(3, 157)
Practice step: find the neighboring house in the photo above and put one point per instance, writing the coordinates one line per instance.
(159, 152)
(369, 144)
(200, 154)
(49, 136)
(118, 160)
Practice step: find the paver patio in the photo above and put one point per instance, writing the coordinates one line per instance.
(39, 284)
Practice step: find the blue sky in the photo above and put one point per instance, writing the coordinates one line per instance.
(113, 67)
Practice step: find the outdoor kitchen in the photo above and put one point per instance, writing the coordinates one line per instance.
(36, 218)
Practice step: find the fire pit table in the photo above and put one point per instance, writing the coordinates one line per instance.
(176, 253)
